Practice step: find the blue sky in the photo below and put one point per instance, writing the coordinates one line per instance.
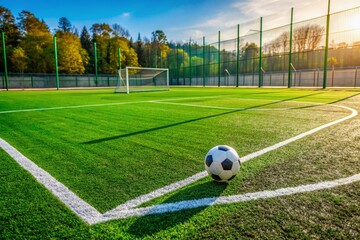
(179, 19)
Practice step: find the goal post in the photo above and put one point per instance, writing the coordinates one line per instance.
(137, 79)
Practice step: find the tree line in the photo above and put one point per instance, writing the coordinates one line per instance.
(30, 49)
(30, 46)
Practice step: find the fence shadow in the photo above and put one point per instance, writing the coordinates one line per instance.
(194, 120)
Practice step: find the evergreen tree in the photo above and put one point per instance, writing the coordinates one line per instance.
(140, 51)
(85, 40)
(64, 25)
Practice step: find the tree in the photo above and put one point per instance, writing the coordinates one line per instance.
(307, 37)
(86, 44)
(39, 49)
(128, 54)
(12, 35)
(18, 60)
(249, 54)
(107, 49)
(102, 30)
(102, 36)
(37, 42)
(85, 39)
(72, 57)
(159, 37)
(316, 33)
(64, 25)
(119, 31)
(8, 25)
(140, 51)
(29, 23)
(159, 47)
(332, 62)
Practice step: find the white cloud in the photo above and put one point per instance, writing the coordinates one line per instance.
(247, 13)
(126, 15)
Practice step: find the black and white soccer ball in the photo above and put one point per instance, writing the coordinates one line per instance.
(222, 163)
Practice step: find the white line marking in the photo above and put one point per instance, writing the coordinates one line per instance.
(92, 216)
(302, 135)
(204, 202)
(69, 107)
(70, 199)
(172, 187)
(96, 105)
(221, 108)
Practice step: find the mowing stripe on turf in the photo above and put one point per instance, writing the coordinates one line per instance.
(204, 202)
(92, 216)
(172, 187)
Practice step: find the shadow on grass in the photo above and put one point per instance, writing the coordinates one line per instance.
(194, 120)
(333, 102)
(345, 98)
(151, 224)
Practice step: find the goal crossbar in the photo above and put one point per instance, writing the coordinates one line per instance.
(133, 79)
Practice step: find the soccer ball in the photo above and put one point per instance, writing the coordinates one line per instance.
(222, 163)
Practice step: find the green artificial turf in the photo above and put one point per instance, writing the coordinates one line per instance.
(112, 153)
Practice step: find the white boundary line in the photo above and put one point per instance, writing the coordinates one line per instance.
(222, 108)
(172, 187)
(190, 204)
(156, 101)
(92, 216)
(70, 199)
(98, 105)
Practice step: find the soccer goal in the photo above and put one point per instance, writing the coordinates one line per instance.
(137, 79)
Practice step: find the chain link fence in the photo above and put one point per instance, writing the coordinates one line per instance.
(273, 51)
(318, 52)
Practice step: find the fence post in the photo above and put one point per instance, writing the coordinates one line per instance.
(190, 64)
(184, 63)
(177, 64)
(156, 58)
(238, 55)
(96, 66)
(260, 56)
(161, 60)
(356, 71)
(32, 81)
(119, 58)
(5, 63)
(219, 59)
(290, 50)
(56, 65)
(326, 45)
(204, 62)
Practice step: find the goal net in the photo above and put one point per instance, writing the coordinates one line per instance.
(135, 79)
